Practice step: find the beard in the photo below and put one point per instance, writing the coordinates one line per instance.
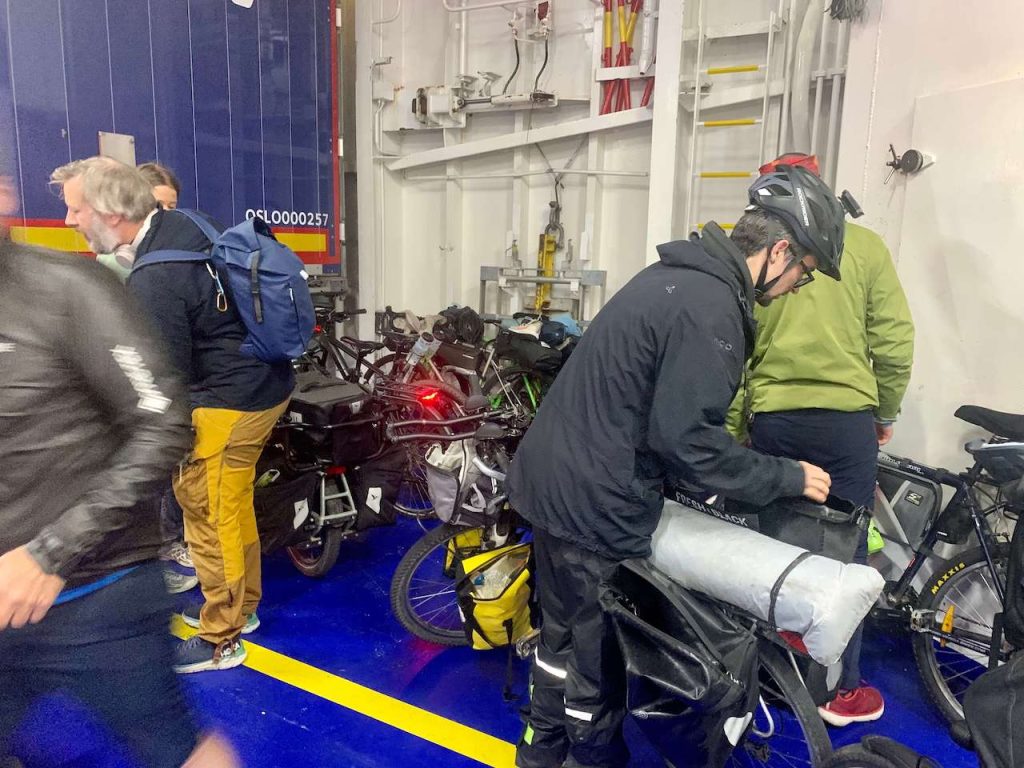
(101, 238)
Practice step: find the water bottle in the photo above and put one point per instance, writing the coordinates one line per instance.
(424, 347)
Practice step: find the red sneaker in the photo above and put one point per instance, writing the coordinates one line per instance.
(861, 705)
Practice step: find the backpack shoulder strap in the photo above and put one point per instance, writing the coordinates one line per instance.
(168, 257)
(200, 221)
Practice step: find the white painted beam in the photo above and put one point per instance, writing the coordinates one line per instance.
(567, 129)
(368, 289)
(661, 208)
(722, 31)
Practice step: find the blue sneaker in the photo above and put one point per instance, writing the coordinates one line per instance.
(198, 655)
(191, 618)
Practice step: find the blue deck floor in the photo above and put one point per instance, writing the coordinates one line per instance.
(343, 625)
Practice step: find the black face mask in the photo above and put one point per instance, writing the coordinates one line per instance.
(761, 288)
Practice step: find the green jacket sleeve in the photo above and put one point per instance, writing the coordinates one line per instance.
(890, 334)
(736, 419)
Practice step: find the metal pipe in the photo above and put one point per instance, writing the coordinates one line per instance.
(766, 100)
(523, 174)
(801, 85)
(540, 279)
(500, 4)
(463, 45)
(795, 14)
(838, 70)
(819, 80)
(692, 184)
(392, 17)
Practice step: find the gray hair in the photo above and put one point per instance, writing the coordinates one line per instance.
(109, 186)
(758, 229)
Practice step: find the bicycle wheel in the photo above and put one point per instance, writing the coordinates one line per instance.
(787, 730)
(516, 387)
(856, 756)
(413, 499)
(315, 559)
(961, 591)
(423, 588)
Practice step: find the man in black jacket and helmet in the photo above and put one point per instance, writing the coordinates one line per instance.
(643, 399)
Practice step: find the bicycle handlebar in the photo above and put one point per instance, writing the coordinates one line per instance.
(390, 429)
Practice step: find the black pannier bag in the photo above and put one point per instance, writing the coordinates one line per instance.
(691, 669)
(322, 401)
(283, 507)
(833, 529)
(375, 485)
(994, 707)
(1013, 609)
(525, 350)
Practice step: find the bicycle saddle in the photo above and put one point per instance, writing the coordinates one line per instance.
(1008, 425)
(364, 346)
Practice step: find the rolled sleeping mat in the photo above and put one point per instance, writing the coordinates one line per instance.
(822, 600)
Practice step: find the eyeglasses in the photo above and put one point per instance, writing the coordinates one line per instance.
(806, 277)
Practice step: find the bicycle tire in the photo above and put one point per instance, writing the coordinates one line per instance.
(855, 756)
(950, 576)
(316, 562)
(401, 583)
(780, 683)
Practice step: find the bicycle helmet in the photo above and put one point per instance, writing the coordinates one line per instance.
(810, 209)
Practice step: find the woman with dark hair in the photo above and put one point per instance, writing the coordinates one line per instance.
(165, 184)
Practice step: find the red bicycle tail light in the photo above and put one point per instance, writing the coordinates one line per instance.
(429, 396)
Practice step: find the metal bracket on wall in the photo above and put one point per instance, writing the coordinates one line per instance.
(582, 285)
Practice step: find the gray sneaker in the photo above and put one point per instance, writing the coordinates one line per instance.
(179, 553)
(198, 655)
(177, 583)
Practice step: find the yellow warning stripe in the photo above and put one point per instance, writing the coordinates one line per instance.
(458, 738)
(727, 123)
(723, 226)
(725, 174)
(733, 70)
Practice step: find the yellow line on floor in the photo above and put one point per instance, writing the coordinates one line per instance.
(428, 726)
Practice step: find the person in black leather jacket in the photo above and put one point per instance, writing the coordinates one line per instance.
(92, 420)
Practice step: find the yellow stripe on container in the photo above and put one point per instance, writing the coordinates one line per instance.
(303, 242)
(54, 238)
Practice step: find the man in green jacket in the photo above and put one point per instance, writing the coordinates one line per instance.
(824, 385)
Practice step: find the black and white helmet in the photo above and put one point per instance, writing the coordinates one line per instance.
(810, 209)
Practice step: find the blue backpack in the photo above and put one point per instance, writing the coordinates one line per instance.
(264, 278)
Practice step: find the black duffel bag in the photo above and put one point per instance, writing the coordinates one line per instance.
(691, 670)
(459, 324)
(526, 351)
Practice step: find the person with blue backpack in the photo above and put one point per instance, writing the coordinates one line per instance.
(234, 309)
